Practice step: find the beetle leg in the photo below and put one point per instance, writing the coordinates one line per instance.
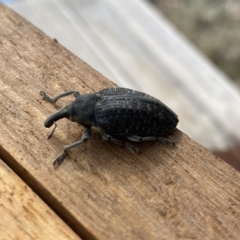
(126, 144)
(135, 138)
(85, 137)
(165, 140)
(53, 130)
(132, 148)
(53, 100)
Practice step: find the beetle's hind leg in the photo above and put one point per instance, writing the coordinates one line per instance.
(165, 140)
(53, 100)
(135, 138)
(126, 144)
(85, 137)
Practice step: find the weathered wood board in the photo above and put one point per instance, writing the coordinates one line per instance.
(135, 46)
(101, 190)
(24, 215)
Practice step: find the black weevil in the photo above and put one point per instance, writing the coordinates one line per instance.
(115, 112)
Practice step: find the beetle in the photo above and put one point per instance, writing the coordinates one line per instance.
(115, 112)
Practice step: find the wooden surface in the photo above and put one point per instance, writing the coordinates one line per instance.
(103, 191)
(24, 215)
(135, 46)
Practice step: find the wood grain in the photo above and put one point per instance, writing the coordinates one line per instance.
(102, 190)
(24, 215)
(135, 46)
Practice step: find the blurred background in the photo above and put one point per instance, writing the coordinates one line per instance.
(213, 25)
(184, 52)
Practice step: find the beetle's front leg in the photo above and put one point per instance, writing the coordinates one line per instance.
(53, 100)
(85, 137)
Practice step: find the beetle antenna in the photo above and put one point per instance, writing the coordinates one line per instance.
(53, 130)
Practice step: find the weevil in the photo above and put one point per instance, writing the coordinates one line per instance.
(115, 112)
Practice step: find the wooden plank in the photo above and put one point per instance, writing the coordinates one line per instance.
(24, 215)
(135, 46)
(102, 190)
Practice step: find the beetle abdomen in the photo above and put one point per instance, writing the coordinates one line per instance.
(121, 111)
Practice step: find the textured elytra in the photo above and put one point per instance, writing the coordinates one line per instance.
(121, 111)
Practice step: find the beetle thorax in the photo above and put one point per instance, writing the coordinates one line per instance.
(82, 110)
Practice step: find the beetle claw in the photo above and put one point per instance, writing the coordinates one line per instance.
(132, 148)
(166, 141)
(58, 160)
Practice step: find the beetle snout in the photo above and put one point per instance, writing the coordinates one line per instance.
(48, 124)
(63, 113)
